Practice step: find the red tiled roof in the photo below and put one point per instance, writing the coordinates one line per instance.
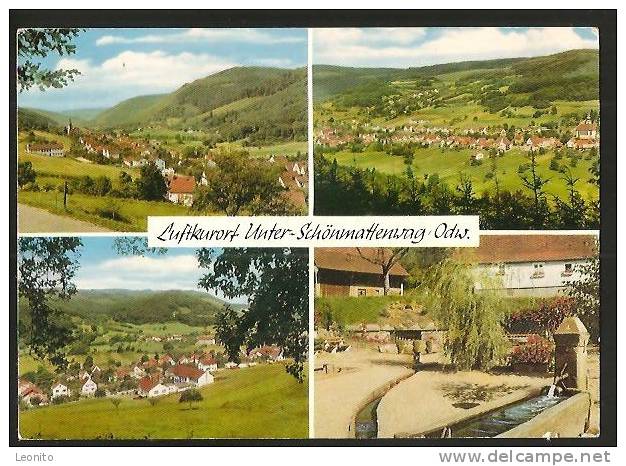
(349, 260)
(190, 372)
(148, 383)
(586, 127)
(496, 249)
(181, 184)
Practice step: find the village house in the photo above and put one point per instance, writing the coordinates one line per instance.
(207, 363)
(31, 394)
(345, 272)
(137, 372)
(205, 340)
(89, 388)
(151, 387)
(586, 130)
(51, 149)
(269, 352)
(58, 389)
(190, 374)
(532, 265)
(180, 189)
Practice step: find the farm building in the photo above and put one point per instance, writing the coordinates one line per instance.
(51, 149)
(346, 272)
(207, 363)
(529, 265)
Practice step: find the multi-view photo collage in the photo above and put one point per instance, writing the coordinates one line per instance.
(117, 340)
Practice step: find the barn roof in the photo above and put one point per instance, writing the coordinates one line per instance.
(349, 260)
(495, 249)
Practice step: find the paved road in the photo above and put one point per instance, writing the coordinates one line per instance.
(35, 220)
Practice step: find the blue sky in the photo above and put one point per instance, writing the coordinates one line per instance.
(101, 267)
(405, 47)
(120, 63)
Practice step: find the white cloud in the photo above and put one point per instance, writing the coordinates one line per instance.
(151, 71)
(169, 272)
(142, 272)
(277, 62)
(204, 35)
(362, 47)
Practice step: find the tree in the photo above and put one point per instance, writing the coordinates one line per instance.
(88, 364)
(384, 258)
(116, 402)
(535, 183)
(36, 44)
(275, 282)
(190, 396)
(571, 214)
(586, 293)
(46, 267)
(151, 185)
(473, 319)
(25, 173)
(240, 184)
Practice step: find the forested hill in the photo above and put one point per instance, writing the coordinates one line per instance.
(144, 306)
(571, 75)
(255, 102)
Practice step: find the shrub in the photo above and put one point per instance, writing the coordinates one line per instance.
(543, 319)
(537, 350)
(60, 400)
(100, 393)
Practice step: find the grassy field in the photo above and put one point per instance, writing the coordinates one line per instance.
(258, 402)
(355, 310)
(59, 169)
(448, 164)
(85, 207)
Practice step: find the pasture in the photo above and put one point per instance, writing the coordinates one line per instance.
(449, 164)
(257, 402)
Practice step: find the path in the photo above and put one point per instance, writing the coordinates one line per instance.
(35, 220)
(425, 400)
(352, 379)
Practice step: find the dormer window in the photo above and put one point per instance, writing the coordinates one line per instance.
(538, 270)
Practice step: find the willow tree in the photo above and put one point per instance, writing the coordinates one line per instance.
(473, 318)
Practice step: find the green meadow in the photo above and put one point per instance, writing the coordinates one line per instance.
(132, 212)
(257, 402)
(449, 164)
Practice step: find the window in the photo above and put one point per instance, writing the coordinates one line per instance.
(569, 270)
(538, 270)
(361, 291)
(501, 269)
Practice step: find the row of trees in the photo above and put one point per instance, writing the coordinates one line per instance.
(343, 190)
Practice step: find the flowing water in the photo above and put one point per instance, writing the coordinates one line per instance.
(490, 424)
(502, 419)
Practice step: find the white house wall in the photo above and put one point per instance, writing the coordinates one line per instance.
(519, 278)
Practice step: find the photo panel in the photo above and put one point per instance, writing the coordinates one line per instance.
(118, 341)
(498, 341)
(118, 124)
(498, 122)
